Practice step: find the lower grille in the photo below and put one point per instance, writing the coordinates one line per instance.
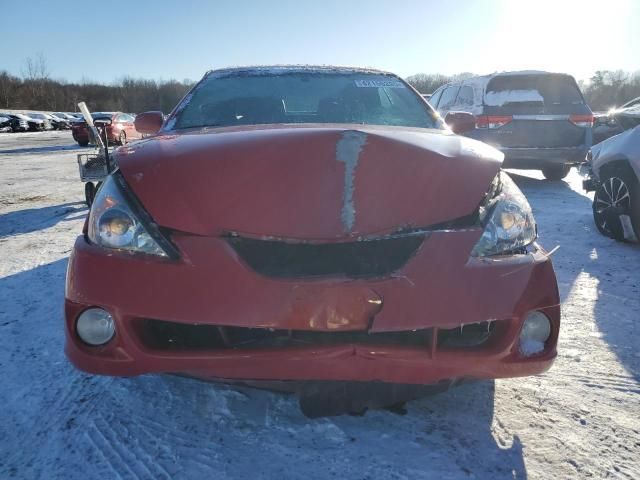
(359, 259)
(162, 335)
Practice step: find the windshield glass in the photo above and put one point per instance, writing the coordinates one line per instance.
(304, 97)
(99, 116)
(536, 89)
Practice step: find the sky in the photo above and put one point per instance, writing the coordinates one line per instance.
(161, 40)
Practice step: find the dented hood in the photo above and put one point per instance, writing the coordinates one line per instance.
(308, 182)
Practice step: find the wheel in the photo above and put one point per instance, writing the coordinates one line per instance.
(122, 138)
(616, 206)
(556, 172)
(89, 193)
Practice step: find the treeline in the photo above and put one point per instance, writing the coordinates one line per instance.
(128, 95)
(36, 90)
(604, 90)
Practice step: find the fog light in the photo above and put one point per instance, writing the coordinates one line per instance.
(535, 332)
(95, 326)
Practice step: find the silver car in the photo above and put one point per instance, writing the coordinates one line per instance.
(614, 170)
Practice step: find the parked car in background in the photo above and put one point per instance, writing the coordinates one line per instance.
(47, 124)
(63, 115)
(267, 232)
(119, 131)
(5, 123)
(614, 170)
(33, 124)
(539, 120)
(18, 123)
(616, 120)
(58, 122)
(604, 126)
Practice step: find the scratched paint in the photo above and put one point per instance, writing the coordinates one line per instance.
(348, 151)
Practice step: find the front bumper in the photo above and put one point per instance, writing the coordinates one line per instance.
(439, 288)
(535, 158)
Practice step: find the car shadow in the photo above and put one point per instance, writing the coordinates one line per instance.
(32, 219)
(585, 262)
(51, 148)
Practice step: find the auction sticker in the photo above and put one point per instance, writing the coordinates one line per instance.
(391, 83)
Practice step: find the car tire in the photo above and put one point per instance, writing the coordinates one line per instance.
(122, 138)
(618, 193)
(556, 172)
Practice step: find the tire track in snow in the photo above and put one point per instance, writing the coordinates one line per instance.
(603, 380)
(121, 447)
(174, 440)
(112, 458)
(66, 407)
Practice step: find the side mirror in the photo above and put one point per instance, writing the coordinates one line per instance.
(460, 122)
(149, 122)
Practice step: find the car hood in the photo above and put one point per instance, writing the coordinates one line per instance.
(308, 182)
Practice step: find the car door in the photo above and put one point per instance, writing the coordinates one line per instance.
(448, 99)
(129, 126)
(122, 125)
(464, 100)
(435, 98)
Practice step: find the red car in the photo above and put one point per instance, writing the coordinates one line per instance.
(120, 130)
(314, 229)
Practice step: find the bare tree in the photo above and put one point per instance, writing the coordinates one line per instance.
(9, 85)
(36, 76)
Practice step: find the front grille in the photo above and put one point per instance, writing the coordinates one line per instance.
(162, 335)
(358, 259)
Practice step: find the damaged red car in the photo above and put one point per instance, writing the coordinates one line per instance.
(311, 229)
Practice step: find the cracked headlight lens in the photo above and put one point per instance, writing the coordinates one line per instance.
(113, 223)
(510, 224)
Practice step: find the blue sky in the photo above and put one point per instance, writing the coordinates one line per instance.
(105, 41)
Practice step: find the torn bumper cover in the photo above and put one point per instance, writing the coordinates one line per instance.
(442, 315)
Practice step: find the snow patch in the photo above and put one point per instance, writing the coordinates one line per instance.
(499, 98)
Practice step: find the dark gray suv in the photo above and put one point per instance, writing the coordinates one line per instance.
(539, 120)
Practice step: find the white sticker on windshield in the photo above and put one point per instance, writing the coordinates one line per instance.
(391, 83)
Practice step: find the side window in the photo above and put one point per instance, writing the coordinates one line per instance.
(448, 97)
(465, 96)
(435, 97)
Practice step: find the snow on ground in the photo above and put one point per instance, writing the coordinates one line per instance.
(579, 420)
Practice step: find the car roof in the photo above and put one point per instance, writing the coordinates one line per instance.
(286, 69)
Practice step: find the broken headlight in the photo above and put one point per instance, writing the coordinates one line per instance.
(116, 221)
(508, 220)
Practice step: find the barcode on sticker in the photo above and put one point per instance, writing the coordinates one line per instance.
(379, 84)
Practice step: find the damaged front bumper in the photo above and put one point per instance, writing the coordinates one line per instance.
(442, 316)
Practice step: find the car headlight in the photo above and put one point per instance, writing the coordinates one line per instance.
(117, 221)
(508, 220)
